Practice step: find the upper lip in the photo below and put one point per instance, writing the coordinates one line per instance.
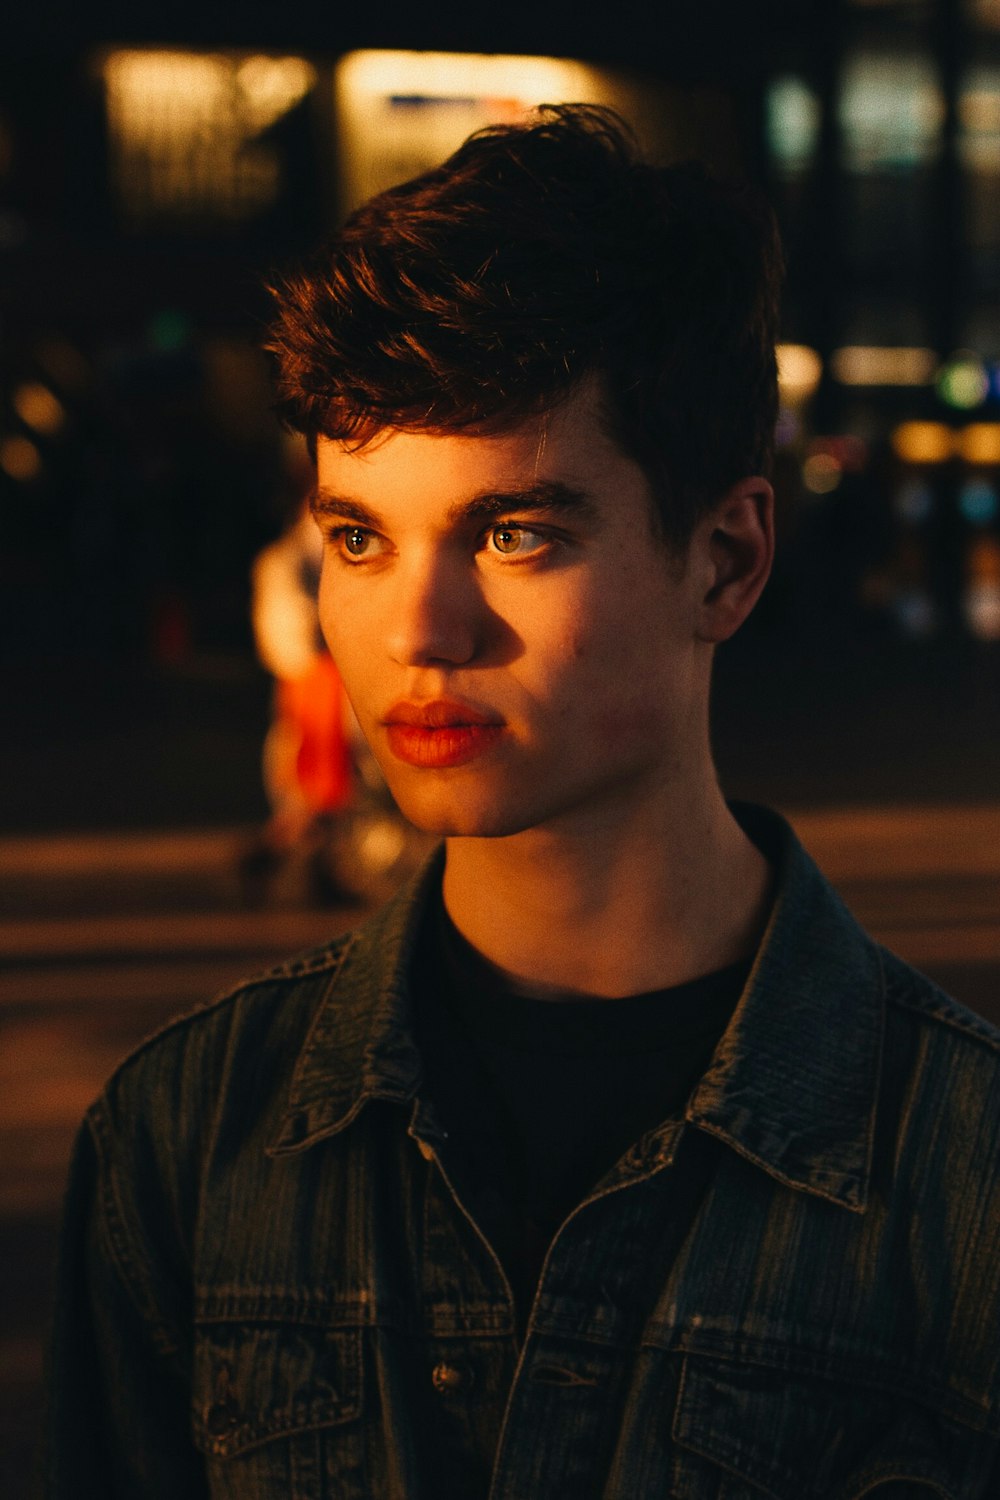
(441, 713)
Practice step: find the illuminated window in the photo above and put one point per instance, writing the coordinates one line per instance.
(399, 113)
(890, 111)
(186, 131)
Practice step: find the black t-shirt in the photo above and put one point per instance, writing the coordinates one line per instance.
(540, 1098)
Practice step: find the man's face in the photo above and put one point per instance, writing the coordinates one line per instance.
(518, 646)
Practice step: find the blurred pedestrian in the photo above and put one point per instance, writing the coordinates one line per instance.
(307, 760)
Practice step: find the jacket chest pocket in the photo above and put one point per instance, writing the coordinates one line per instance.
(744, 1432)
(276, 1410)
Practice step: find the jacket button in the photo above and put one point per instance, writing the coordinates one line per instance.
(448, 1378)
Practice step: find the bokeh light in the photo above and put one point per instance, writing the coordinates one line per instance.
(875, 364)
(821, 473)
(38, 408)
(981, 602)
(913, 501)
(399, 113)
(799, 372)
(793, 120)
(891, 109)
(923, 442)
(964, 381)
(979, 443)
(978, 501)
(187, 129)
(20, 459)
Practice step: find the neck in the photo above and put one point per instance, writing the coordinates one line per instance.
(645, 902)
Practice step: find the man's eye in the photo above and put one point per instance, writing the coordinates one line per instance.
(354, 541)
(509, 540)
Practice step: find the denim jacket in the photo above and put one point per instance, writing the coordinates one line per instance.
(270, 1287)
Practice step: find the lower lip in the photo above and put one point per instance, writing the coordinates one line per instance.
(452, 745)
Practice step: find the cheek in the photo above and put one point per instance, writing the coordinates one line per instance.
(342, 627)
(629, 725)
(612, 691)
(324, 605)
(625, 687)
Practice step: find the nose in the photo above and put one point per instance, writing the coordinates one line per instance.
(436, 614)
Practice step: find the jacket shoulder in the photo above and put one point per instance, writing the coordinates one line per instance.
(272, 1010)
(912, 994)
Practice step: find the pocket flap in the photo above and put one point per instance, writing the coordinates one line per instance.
(790, 1435)
(254, 1382)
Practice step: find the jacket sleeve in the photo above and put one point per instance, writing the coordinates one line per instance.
(118, 1397)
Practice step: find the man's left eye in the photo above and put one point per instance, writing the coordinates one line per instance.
(508, 540)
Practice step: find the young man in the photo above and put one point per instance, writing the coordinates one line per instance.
(611, 1159)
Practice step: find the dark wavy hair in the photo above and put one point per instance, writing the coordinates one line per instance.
(536, 256)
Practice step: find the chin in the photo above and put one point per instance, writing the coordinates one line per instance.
(447, 813)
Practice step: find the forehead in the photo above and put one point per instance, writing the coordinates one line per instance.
(569, 446)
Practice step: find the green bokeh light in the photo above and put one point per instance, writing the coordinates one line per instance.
(963, 382)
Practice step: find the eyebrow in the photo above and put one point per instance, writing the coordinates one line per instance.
(550, 495)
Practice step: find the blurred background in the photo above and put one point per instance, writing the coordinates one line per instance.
(169, 819)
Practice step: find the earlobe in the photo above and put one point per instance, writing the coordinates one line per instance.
(737, 541)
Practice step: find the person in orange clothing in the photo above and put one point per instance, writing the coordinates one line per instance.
(307, 762)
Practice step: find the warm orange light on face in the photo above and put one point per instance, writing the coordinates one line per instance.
(504, 587)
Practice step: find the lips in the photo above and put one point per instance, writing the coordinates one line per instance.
(440, 734)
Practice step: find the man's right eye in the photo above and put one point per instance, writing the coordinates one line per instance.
(354, 541)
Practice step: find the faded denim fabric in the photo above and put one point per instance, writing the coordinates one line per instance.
(270, 1288)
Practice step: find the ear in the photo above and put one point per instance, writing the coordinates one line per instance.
(735, 548)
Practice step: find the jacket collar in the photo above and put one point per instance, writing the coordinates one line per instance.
(361, 1046)
(792, 1085)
